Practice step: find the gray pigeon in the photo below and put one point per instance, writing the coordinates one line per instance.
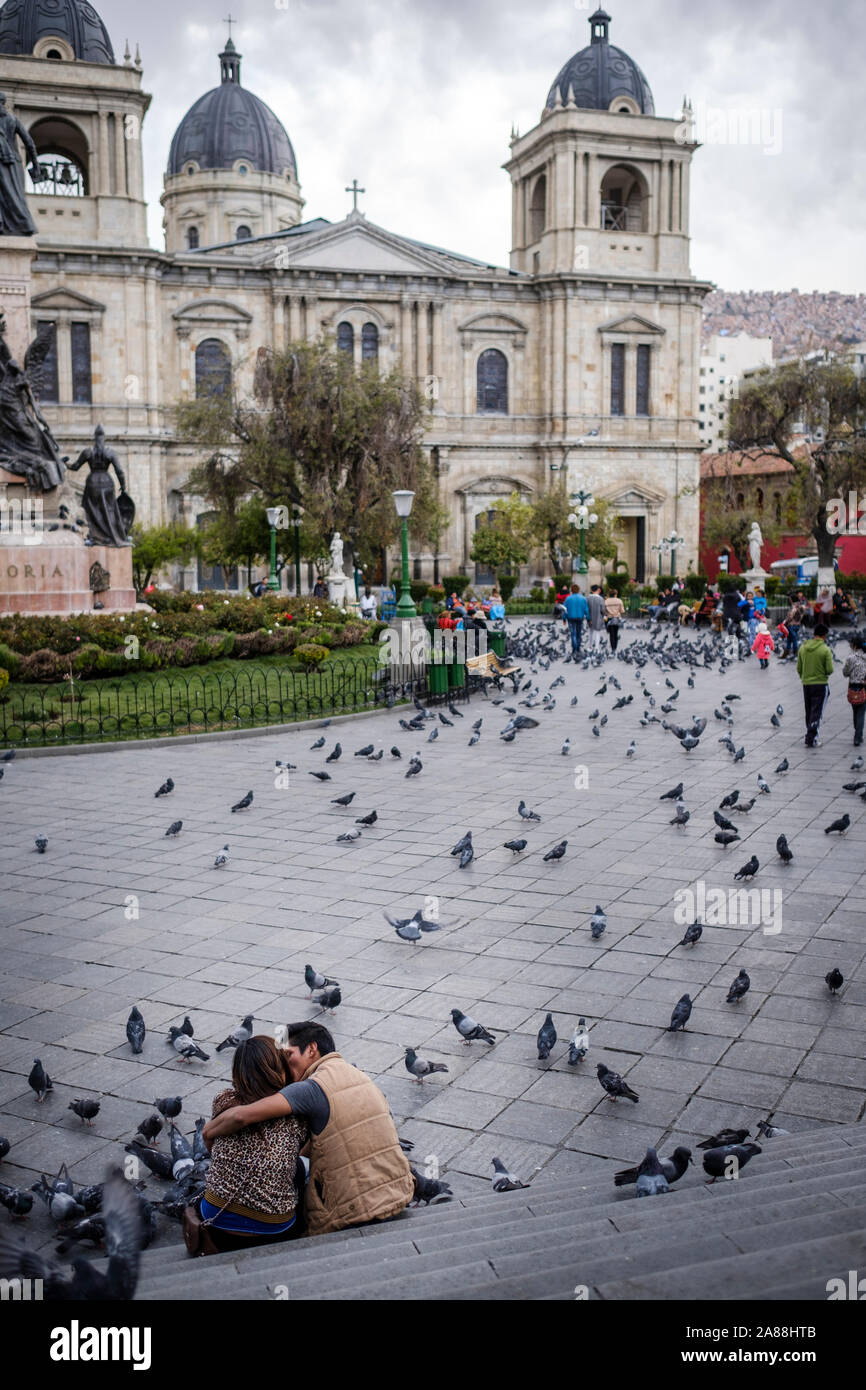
(41, 844)
(692, 934)
(469, 1030)
(783, 766)
(546, 1038)
(578, 1044)
(503, 1181)
(749, 869)
(768, 1131)
(681, 1015)
(39, 1080)
(240, 1035)
(313, 980)
(729, 1161)
(840, 825)
(329, 998)
(429, 1190)
(348, 837)
(834, 979)
(763, 786)
(740, 987)
(672, 1168)
(651, 1179)
(419, 1067)
(86, 1110)
(222, 858)
(525, 813)
(135, 1030)
(613, 1083)
(186, 1048)
(598, 922)
(516, 846)
(175, 828)
(407, 931)
(335, 754)
(244, 803)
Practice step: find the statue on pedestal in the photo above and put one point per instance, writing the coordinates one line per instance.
(15, 219)
(109, 518)
(27, 446)
(756, 540)
(336, 553)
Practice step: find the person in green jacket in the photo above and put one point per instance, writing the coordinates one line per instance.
(815, 667)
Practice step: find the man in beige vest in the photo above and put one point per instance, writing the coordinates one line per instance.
(358, 1171)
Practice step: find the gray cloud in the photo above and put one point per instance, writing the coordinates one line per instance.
(417, 98)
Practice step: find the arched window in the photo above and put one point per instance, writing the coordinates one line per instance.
(346, 338)
(538, 209)
(243, 233)
(63, 162)
(213, 369)
(54, 55)
(623, 205)
(759, 499)
(777, 499)
(642, 385)
(192, 238)
(741, 502)
(492, 383)
(369, 342)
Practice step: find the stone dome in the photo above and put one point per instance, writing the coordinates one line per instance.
(601, 73)
(229, 124)
(26, 23)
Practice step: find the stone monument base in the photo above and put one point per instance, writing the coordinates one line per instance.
(341, 590)
(54, 577)
(755, 578)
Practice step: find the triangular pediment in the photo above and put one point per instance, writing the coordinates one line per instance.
(65, 299)
(212, 311)
(354, 244)
(632, 494)
(631, 323)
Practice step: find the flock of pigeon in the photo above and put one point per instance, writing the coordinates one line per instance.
(119, 1216)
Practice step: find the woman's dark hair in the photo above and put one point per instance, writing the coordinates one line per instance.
(258, 1069)
(300, 1035)
(821, 629)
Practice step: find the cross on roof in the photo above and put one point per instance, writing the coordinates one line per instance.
(229, 21)
(355, 190)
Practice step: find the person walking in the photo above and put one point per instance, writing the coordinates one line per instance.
(614, 609)
(815, 667)
(596, 617)
(576, 614)
(855, 670)
(763, 645)
(793, 622)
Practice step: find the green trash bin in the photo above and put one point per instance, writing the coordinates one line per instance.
(427, 605)
(456, 675)
(496, 643)
(437, 678)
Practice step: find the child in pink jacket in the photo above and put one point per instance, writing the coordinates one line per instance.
(763, 645)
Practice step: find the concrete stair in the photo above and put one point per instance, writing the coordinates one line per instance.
(794, 1219)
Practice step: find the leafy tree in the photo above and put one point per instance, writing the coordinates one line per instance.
(156, 546)
(828, 400)
(560, 538)
(731, 500)
(506, 537)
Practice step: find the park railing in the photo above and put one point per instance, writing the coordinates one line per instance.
(155, 705)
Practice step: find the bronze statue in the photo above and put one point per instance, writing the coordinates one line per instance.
(15, 219)
(27, 446)
(109, 518)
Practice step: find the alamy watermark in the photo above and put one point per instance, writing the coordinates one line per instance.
(846, 518)
(23, 518)
(730, 907)
(731, 125)
(411, 644)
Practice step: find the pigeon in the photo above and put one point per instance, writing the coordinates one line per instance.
(150, 1128)
(768, 1131)
(775, 721)
(692, 934)
(175, 828)
(722, 821)
(763, 785)
(744, 807)
(516, 846)
(39, 1080)
(343, 800)
(689, 742)
(727, 1162)
(244, 802)
(840, 825)
(681, 1015)
(5, 1146)
(462, 843)
(682, 816)
(86, 1110)
(427, 1190)
(367, 820)
(613, 1083)
(449, 723)
(473, 740)
(578, 1044)
(557, 852)
(160, 1164)
(419, 1067)
(407, 931)
(598, 922)
(546, 1038)
(651, 1179)
(241, 1034)
(222, 857)
(415, 766)
(595, 731)
(749, 869)
(458, 714)
(783, 766)
(503, 1181)
(135, 1030)
(321, 776)
(834, 979)
(566, 748)
(167, 786)
(739, 755)
(724, 1139)
(365, 751)
(329, 998)
(725, 837)
(526, 814)
(729, 800)
(349, 837)
(631, 750)
(395, 753)
(319, 743)
(169, 1107)
(857, 764)
(313, 980)
(784, 853)
(8, 755)
(376, 757)
(852, 786)
(476, 727)
(41, 844)
(17, 1202)
(187, 1049)
(738, 988)
(433, 735)
(469, 1030)
(674, 794)
(672, 1168)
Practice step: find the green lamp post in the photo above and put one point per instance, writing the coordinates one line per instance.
(273, 515)
(582, 518)
(403, 503)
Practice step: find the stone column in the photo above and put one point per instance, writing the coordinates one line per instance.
(119, 154)
(16, 255)
(421, 340)
(436, 367)
(103, 179)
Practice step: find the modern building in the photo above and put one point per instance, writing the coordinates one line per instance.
(724, 360)
(576, 366)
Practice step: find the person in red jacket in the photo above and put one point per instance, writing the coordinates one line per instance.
(763, 645)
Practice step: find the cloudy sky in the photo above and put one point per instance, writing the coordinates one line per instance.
(417, 98)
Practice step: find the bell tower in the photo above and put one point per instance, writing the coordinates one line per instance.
(601, 183)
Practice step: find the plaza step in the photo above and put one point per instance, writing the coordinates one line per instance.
(794, 1219)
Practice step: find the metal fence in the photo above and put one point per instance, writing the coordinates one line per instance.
(149, 706)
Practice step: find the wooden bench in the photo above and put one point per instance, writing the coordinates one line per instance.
(489, 667)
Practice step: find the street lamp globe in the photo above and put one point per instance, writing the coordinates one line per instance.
(593, 518)
(403, 502)
(273, 515)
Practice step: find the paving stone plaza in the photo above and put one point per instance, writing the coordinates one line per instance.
(115, 915)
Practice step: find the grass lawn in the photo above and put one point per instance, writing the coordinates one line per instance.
(220, 695)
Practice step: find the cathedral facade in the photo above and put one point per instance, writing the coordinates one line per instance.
(575, 367)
